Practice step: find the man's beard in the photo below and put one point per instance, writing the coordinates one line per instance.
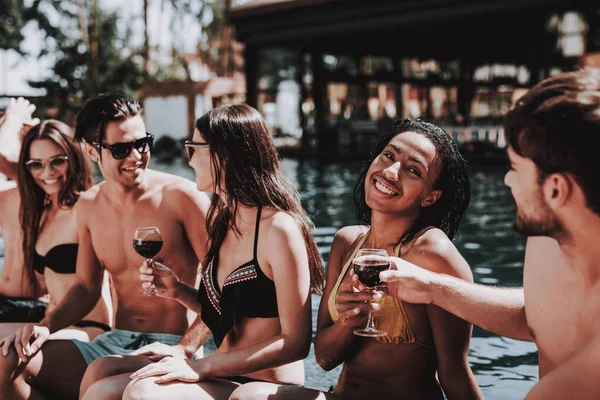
(545, 225)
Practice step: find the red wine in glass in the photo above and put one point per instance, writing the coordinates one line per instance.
(147, 248)
(147, 242)
(368, 263)
(367, 268)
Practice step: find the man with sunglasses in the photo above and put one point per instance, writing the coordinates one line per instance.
(132, 196)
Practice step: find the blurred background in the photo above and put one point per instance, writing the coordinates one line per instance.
(328, 76)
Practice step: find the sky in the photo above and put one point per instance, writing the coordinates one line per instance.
(16, 70)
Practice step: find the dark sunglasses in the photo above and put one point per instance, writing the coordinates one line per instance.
(190, 147)
(122, 149)
(38, 166)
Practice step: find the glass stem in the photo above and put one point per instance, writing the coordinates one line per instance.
(150, 264)
(370, 322)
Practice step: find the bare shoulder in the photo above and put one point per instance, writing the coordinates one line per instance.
(6, 185)
(279, 224)
(433, 250)
(180, 192)
(346, 237)
(9, 193)
(88, 201)
(90, 196)
(174, 183)
(9, 200)
(541, 247)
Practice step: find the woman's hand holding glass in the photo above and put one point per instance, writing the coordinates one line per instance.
(155, 274)
(353, 304)
(368, 263)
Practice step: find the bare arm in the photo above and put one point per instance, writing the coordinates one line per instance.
(499, 310)
(575, 379)
(189, 202)
(194, 337)
(335, 342)
(292, 281)
(451, 334)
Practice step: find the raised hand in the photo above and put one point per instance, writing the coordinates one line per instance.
(20, 111)
(409, 283)
(164, 279)
(353, 303)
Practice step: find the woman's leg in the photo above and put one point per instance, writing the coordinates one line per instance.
(56, 368)
(110, 366)
(272, 391)
(8, 328)
(110, 388)
(146, 389)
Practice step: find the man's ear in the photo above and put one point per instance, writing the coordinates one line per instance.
(558, 188)
(432, 198)
(92, 152)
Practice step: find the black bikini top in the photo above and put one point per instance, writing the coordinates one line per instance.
(247, 292)
(61, 259)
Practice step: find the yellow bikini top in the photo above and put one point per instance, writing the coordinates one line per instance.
(391, 318)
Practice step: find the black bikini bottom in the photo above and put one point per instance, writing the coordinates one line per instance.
(243, 379)
(85, 323)
(21, 309)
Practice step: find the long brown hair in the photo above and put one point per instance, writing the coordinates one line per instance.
(243, 153)
(33, 198)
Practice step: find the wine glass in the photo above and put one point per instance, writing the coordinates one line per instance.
(147, 242)
(368, 263)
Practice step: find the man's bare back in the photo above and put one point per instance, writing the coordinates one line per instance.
(111, 226)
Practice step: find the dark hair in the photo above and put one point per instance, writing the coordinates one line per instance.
(99, 111)
(242, 151)
(33, 198)
(556, 124)
(453, 180)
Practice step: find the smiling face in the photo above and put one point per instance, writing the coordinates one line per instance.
(534, 216)
(400, 179)
(128, 171)
(50, 179)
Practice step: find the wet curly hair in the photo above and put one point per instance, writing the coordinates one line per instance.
(449, 211)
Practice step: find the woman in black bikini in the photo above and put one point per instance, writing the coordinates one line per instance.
(261, 265)
(51, 172)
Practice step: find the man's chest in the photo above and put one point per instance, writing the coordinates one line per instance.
(560, 313)
(112, 232)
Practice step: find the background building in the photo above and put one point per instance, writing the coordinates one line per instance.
(332, 73)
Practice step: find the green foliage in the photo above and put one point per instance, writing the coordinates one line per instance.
(12, 21)
(118, 68)
(67, 29)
